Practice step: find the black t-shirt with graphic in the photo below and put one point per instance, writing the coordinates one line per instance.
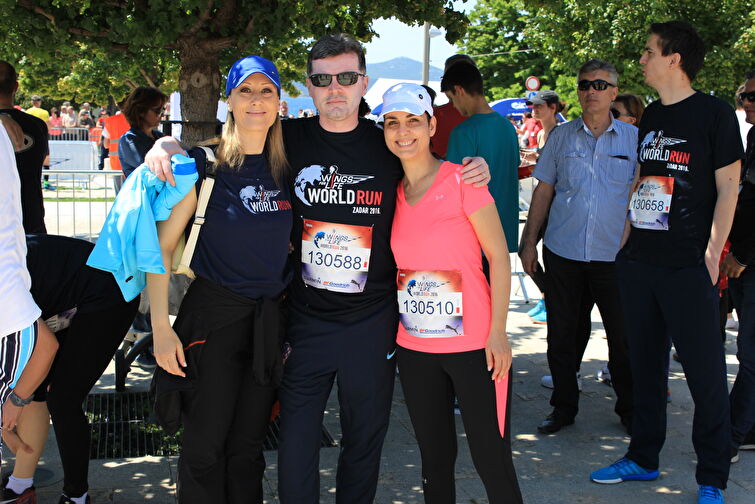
(29, 163)
(243, 243)
(686, 141)
(344, 197)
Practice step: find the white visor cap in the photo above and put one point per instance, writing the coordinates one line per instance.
(406, 97)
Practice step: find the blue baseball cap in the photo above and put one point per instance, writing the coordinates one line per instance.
(247, 66)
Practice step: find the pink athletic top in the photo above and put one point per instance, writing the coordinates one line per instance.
(444, 298)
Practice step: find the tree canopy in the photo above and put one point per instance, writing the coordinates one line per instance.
(561, 35)
(72, 42)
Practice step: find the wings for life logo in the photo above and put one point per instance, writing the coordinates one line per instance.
(423, 287)
(656, 147)
(257, 199)
(333, 239)
(317, 184)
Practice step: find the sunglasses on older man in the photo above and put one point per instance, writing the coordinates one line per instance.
(343, 78)
(747, 96)
(597, 84)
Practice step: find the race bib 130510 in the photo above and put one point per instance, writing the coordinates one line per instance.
(430, 303)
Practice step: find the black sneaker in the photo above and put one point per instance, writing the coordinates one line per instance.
(67, 500)
(28, 496)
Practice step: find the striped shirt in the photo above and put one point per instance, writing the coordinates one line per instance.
(592, 178)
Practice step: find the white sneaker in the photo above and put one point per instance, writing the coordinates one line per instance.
(732, 324)
(604, 375)
(547, 381)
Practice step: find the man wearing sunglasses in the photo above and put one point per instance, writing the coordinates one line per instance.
(680, 214)
(344, 312)
(739, 266)
(585, 174)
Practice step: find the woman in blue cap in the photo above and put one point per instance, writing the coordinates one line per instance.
(223, 352)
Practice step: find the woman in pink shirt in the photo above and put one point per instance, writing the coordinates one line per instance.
(452, 337)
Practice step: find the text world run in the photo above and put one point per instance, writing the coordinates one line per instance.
(671, 156)
(344, 196)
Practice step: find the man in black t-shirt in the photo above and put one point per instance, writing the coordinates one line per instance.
(32, 155)
(739, 266)
(344, 314)
(680, 214)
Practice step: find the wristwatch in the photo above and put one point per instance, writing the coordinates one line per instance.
(16, 400)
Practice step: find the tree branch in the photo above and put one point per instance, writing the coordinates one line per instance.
(35, 8)
(225, 15)
(86, 33)
(249, 26)
(218, 44)
(149, 80)
(203, 17)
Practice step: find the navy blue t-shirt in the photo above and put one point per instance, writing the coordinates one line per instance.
(243, 244)
(133, 146)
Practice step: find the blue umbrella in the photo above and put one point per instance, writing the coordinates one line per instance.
(511, 106)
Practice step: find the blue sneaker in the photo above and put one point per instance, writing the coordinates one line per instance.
(709, 495)
(540, 318)
(623, 470)
(540, 306)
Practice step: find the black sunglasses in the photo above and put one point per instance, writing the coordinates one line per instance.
(343, 78)
(747, 96)
(158, 110)
(616, 114)
(597, 84)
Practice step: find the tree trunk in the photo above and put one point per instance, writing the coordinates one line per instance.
(199, 84)
(112, 108)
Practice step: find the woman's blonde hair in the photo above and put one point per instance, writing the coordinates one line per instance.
(231, 153)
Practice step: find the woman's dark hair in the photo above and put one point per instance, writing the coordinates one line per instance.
(364, 108)
(633, 104)
(139, 101)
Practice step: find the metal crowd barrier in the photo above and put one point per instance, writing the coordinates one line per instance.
(78, 201)
(75, 134)
(74, 155)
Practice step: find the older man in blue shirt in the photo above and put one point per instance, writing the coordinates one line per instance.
(585, 174)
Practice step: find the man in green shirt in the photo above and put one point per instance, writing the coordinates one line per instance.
(489, 135)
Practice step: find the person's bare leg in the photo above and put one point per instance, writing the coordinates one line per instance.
(33, 427)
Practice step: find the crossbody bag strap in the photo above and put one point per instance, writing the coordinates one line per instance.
(199, 216)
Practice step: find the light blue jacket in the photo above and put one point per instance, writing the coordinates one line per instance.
(128, 246)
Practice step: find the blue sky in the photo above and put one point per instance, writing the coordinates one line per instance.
(397, 39)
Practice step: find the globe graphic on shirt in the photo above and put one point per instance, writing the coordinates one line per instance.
(308, 177)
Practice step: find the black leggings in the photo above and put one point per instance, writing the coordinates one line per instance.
(225, 420)
(430, 382)
(86, 348)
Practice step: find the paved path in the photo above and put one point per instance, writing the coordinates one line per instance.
(552, 469)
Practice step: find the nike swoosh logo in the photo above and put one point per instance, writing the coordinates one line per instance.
(390, 355)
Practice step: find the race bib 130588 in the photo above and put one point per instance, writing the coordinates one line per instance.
(335, 257)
